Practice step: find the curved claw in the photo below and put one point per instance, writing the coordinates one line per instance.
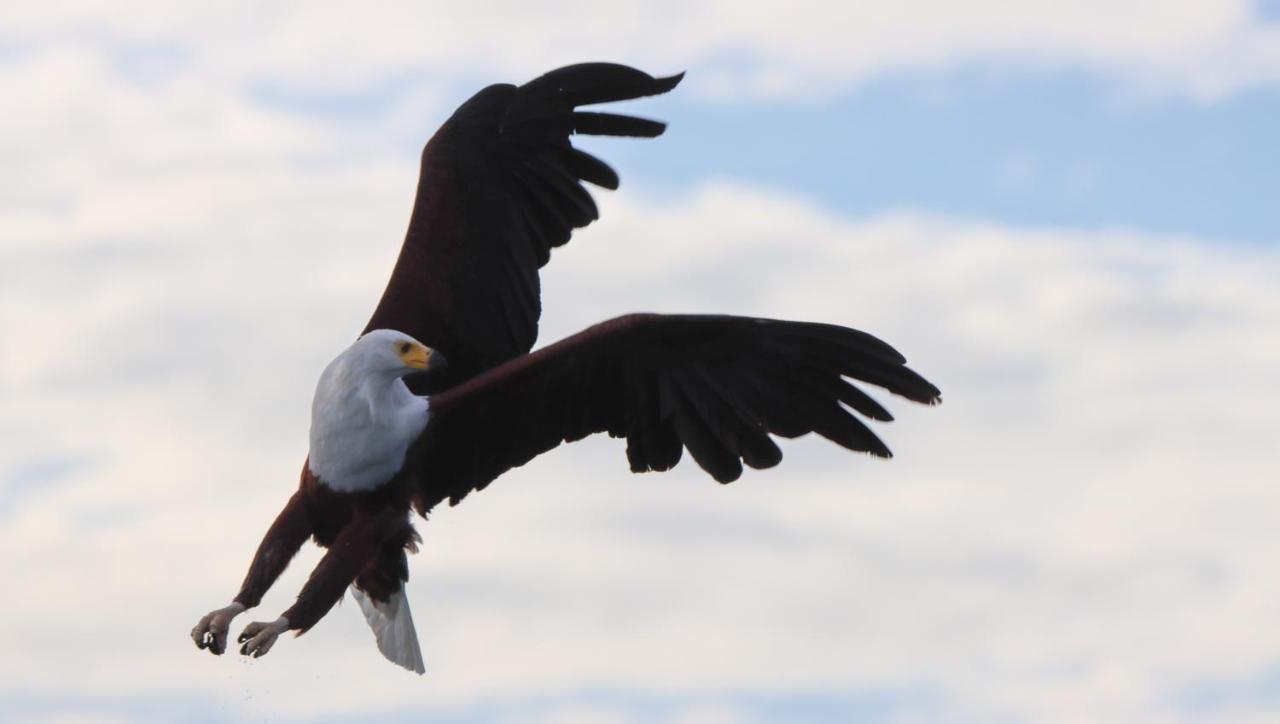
(258, 637)
(211, 631)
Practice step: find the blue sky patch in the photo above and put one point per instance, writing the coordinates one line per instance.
(36, 475)
(1066, 150)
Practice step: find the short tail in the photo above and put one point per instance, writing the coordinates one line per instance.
(392, 626)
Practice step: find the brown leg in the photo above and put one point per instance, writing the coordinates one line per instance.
(282, 541)
(350, 552)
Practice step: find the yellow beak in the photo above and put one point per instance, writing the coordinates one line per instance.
(418, 357)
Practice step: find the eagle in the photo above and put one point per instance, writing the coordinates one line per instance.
(394, 428)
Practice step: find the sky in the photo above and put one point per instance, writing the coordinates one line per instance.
(1062, 213)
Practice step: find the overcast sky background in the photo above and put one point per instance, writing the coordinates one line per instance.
(1064, 214)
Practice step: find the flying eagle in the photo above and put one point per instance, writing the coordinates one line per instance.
(393, 428)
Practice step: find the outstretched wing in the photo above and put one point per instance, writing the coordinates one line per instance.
(717, 385)
(500, 186)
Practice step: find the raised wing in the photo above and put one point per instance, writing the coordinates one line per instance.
(500, 186)
(716, 385)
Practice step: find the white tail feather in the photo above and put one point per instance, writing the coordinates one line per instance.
(392, 626)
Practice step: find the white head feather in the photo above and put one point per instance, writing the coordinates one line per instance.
(363, 417)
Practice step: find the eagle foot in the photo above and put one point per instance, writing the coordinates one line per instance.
(258, 637)
(211, 632)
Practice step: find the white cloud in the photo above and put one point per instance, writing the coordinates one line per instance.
(1082, 531)
(1079, 531)
(1204, 48)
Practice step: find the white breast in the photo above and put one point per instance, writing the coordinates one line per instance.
(361, 428)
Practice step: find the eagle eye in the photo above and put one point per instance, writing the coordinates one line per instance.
(404, 348)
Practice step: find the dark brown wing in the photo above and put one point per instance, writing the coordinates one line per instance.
(717, 385)
(500, 186)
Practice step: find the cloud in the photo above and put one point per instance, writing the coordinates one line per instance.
(1079, 531)
(1202, 48)
(1082, 531)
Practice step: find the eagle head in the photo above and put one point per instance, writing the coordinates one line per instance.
(386, 352)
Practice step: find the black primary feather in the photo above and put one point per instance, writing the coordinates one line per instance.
(715, 385)
(501, 185)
